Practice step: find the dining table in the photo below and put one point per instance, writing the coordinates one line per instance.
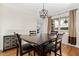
(37, 41)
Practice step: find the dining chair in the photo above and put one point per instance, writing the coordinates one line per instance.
(32, 33)
(54, 32)
(22, 49)
(55, 46)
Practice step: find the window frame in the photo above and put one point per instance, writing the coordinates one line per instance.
(59, 22)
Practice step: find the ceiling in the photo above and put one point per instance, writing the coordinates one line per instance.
(53, 8)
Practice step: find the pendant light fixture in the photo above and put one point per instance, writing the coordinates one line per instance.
(43, 13)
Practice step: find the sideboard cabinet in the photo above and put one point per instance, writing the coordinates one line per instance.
(9, 42)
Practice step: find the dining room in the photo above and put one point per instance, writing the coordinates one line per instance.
(39, 29)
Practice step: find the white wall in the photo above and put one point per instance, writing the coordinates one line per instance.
(15, 20)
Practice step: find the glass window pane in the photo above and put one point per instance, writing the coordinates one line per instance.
(56, 24)
(64, 25)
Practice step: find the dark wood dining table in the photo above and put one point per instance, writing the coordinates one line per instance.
(35, 40)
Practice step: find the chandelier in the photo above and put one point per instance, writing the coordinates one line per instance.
(43, 13)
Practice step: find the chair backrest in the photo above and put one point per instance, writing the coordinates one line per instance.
(52, 35)
(59, 36)
(32, 32)
(58, 39)
(18, 39)
(54, 32)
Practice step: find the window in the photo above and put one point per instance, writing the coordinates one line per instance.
(61, 24)
(64, 24)
(56, 24)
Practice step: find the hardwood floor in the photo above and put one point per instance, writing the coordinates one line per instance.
(69, 50)
(66, 51)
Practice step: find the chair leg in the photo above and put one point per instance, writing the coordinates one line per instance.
(17, 52)
(60, 49)
(21, 53)
(34, 52)
(60, 52)
(29, 53)
(55, 53)
(50, 53)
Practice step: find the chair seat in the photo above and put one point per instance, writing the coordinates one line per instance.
(51, 46)
(45, 44)
(27, 47)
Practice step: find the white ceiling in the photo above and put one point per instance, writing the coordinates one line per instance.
(53, 8)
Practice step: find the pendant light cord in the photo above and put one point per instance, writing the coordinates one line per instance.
(43, 5)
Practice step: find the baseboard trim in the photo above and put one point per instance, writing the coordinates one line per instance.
(71, 45)
(1, 49)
